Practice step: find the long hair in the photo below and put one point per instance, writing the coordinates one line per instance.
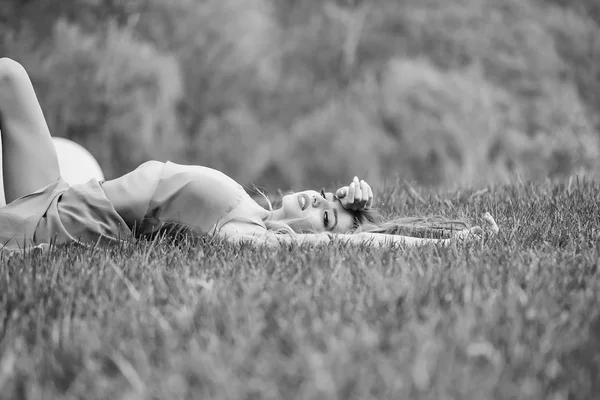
(370, 220)
(435, 226)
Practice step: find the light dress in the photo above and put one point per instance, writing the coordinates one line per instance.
(187, 198)
(197, 199)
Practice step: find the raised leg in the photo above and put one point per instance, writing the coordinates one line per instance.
(2, 198)
(29, 159)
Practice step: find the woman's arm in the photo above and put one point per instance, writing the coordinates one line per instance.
(378, 240)
(240, 232)
(384, 240)
(273, 240)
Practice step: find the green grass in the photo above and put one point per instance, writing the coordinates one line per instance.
(516, 318)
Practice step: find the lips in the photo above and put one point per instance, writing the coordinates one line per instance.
(303, 201)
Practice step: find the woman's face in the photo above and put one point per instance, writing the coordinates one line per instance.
(316, 212)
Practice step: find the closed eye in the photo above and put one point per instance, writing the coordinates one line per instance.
(323, 193)
(326, 219)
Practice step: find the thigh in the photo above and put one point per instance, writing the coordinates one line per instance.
(28, 156)
(2, 198)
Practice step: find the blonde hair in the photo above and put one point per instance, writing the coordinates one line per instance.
(435, 226)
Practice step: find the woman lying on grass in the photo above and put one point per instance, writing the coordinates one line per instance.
(167, 197)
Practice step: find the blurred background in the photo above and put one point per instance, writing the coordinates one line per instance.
(289, 93)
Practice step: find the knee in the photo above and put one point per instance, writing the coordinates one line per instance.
(11, 70)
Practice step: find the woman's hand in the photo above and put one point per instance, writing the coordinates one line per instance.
(356, 196)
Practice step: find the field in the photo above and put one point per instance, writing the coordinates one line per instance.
(517, 317)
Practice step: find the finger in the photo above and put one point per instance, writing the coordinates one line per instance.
(357, 194)
(364, 188)
(350, 195)
(370, 201)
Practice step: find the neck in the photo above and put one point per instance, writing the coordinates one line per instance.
(276, 215)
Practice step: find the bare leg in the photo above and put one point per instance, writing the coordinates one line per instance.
(28, 156)
(2, 199)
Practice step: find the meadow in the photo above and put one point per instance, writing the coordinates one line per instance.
(514, 317)
(302, 93)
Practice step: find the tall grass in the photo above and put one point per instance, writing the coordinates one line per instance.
(514, 318)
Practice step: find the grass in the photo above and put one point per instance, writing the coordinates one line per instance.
(516, 318)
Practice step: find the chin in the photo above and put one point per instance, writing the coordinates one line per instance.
(290, 206)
